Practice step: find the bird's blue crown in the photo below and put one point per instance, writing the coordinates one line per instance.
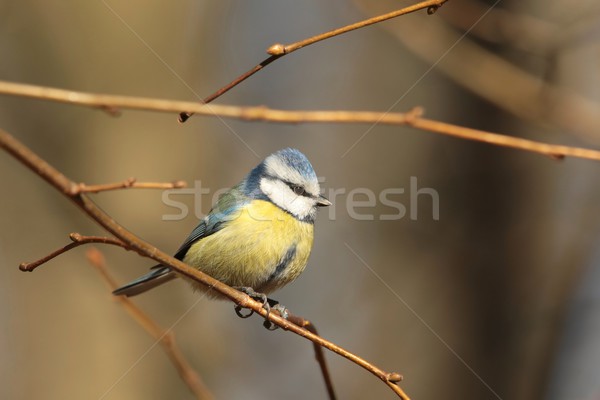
(290, 157)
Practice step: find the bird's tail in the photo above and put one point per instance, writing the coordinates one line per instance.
(157, 276)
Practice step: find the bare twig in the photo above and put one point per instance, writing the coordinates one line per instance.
(184, 116)
(60, 182)
(126, 184)
(78, 240)
(430, 5)
(165, 338)
(550, 150)
(411, 118)
(279, 50)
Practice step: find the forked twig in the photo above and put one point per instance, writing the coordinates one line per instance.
(77, 240)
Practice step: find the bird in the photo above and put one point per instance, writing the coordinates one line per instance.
(258, 235)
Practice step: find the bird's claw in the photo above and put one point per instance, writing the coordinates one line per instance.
(267, 304)
(280, 308)
(254, 295)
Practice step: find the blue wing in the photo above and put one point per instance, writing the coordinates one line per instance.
(224, 211)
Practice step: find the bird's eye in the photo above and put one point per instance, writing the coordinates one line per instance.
(298, 190)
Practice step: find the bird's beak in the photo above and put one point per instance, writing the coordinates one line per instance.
(322, 201)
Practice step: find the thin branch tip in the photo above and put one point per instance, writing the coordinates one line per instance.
(77, 240)
(394, 377)
(277, 49)
(25, 267)
(75, 237)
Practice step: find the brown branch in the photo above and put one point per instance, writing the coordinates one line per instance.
(77, 240)
(279, 50)
(550, 150)
(60, 182)
(430, 5)
(412, 118)
(165, 338)
(129, 183)
(184, 116)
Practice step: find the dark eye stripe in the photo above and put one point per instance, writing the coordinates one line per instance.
(297, 189)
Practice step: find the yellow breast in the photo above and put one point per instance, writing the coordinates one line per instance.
(255, 248)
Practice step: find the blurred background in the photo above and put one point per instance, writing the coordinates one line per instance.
(495, 299)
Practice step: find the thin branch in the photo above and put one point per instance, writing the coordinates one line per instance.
(393, 377)
(551, 150)
(77, 240)
(165, 338)
(129, 183)
(184, 116)
(60, 182)
(279, 50)
(412, 118)
(430, 5)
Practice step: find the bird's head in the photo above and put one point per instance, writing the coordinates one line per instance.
(287, 179)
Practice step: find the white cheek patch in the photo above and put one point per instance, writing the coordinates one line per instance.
(280, 194)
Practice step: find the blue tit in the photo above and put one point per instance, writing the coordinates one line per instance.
(258, 235)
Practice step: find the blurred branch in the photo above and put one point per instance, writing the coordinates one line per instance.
(78, 240)
(127, 184)
(412, 118)
(279, 50)
(63, 184)
(319, 354)
(502, 26)
(165, 338)
(494, 78)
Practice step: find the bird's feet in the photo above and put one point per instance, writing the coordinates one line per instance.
(268, 305)
(261, 297)
(280, 308)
